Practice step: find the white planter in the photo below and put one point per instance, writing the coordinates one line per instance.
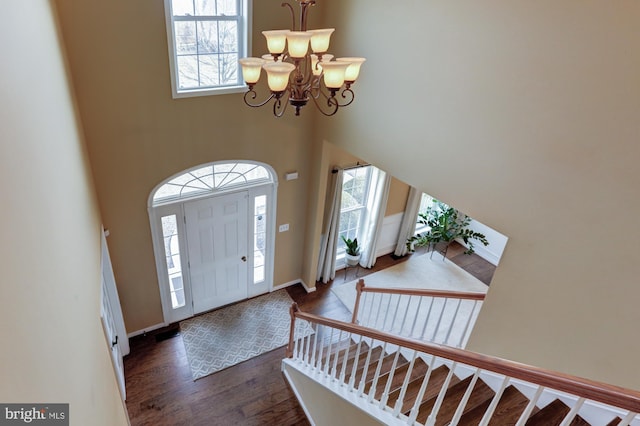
(352, 260)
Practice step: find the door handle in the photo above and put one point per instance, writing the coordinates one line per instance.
(244, 258)
(114, 342)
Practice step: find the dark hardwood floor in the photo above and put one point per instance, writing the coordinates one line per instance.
(160, 390)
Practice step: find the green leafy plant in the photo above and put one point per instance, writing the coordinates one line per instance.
(445, 224)
(353, 249)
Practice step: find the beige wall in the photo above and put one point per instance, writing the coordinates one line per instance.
(525, 116)
(53, 346)
(137, 135)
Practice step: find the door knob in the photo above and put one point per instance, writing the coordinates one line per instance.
(244, 258)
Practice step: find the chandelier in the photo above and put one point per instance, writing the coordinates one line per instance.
(297, 74)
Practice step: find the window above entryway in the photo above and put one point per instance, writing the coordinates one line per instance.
(211, 178)
(205, 39)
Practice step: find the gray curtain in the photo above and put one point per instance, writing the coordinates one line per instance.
(329, 237)
(409, 219)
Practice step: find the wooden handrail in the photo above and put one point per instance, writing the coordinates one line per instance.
(626, 399)
(422, 292)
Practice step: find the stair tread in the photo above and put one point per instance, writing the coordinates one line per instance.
(436, 381)
(481, 392)
(508, 411)
(360, 361)
(385, 368)
(614, 422)
(553, 414)
(419, 369)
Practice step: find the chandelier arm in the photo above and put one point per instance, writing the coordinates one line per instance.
(251, 94)
(351, 97)
(332, 104)
(278, 109)
(304, 4)
(346, 94)
(293, 15)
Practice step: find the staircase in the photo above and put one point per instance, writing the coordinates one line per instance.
(509, 409)
(404, 381)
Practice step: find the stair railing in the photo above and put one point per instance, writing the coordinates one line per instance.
(351, 356)
(445, 317)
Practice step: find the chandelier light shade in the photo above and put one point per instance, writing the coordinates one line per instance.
(299, 69)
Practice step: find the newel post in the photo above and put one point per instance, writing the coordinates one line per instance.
(359, 290)
(292, 311)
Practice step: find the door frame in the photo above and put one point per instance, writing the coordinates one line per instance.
(176, 207)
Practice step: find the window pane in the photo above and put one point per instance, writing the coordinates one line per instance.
(188, 71)
(229, 68)
(185, 37)
(203, 180)
(229, 37)
(209, 70)
(259, 237)
(205, 7)
(207, 37)
(227, 7)
(172, 254)
(182, 7)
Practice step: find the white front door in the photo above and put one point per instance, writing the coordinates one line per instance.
(217, 248)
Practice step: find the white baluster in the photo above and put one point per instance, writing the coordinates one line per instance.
(494, 403)
(405, 384)
(368, 318)
(435, 330)
(344, 361)
(436, 407)
(376, 375)
(406, 312)
(318, 364)
(386, 314)
(334, 373)
(426, 321)
(466, 327)
(571, 414)
(628, 418)
(365, 370)
(532, 404)
(395, 313)
(465, 399)
(453, 320)
(315, 347)
(375, 323)
(387, 387)
(354, 369)
(327, 361)
(423, 388)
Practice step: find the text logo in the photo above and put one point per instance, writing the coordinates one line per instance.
(34, 414)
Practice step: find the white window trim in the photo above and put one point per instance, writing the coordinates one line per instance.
(245, 51)
(341, 253)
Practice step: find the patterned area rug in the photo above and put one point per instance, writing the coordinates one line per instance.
(239, 332)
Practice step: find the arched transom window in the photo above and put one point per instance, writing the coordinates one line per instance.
(211, 178)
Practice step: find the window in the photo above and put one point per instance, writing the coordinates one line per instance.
(211, 178)
(206, 38)
(172, 256)
(425, 202)
(356, 187)
(259, 237)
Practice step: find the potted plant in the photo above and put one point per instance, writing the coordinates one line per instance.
(352, 250)
(444, 225)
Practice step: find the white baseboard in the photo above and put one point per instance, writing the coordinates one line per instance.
(147, 329)
(294, 282)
